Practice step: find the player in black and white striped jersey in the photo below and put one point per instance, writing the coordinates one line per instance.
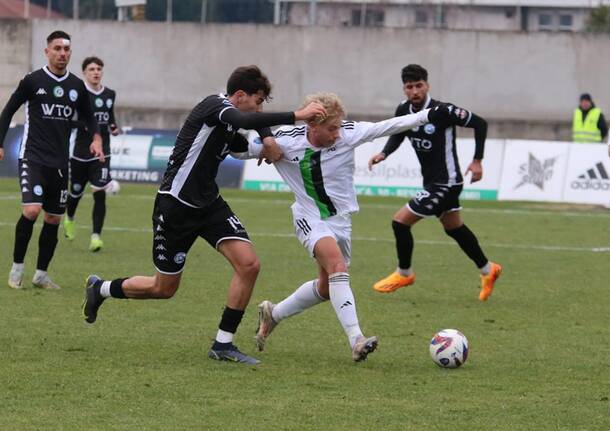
(188, 204)
(435, 146)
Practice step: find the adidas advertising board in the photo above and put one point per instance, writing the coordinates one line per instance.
(534, 170)
(588, 175)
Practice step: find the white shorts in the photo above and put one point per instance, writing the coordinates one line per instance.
(310, 229)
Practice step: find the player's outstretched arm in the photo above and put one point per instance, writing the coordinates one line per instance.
(259, 120)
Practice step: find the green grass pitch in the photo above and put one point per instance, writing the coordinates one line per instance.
(539, 356)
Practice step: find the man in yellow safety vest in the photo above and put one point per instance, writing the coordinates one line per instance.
(588, 123)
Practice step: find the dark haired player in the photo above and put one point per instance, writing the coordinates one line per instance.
(84, 167)
(188, 204)
(434, 144)
(52, 96)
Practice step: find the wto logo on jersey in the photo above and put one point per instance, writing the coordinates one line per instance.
(536, 172)
(595, 178)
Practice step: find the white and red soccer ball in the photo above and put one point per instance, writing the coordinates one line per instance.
(449, 348)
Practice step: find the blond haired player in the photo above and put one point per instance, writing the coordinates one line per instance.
(318, 166)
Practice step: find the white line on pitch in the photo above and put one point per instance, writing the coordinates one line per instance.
(288, 202)
(388, 240)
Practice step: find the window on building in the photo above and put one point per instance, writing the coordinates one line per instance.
(421, 18)
(372, 18)
(545, 21)
(566, 22)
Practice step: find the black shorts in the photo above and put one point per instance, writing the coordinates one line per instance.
(43, 185)
(177, 226)
(435, 200)
(93, 171)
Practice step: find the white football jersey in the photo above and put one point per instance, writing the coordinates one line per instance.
(322, 178)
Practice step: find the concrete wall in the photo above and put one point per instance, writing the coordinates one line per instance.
(15, 45)
(526, 84)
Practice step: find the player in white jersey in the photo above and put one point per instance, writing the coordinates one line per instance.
(318, 166)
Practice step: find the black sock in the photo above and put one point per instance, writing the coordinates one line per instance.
(47, 241)
(404, 244)
(469, 244)
(116, 288)
(229, 322)
(99, 211)
(23, 233)
(71, 206)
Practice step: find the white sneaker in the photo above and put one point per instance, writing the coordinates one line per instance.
(15, 279)
(45, 282)
(363, 347)
(266, 324)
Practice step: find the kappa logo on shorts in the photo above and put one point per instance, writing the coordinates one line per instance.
(159, 238)
(38, 190)
(421, 195)
(24, 190)
(24, 181)
(179, 258)
(160, 247)
(161, 257)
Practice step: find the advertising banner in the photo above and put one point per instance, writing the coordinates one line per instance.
(534, 170)
(587, 178)
(138, 155)
(399, 175)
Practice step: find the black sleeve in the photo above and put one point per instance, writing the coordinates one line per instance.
(112, 119)
(602, 126)
(239, 144)
(255, 120)
(85, 113)
(394, 141)
(480, 134)
(265, 133)
(18, 98)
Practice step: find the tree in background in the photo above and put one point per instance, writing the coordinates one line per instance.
(599, 20)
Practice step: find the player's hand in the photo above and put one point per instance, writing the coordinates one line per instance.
(271, 151)
(377, 158)
(114, 130)
(96, 147)
(1, 153)
(310, 112)
(439, 114)
(476, 169)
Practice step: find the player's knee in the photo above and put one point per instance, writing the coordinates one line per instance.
(31, 211)
(250, 267)
(52, 219)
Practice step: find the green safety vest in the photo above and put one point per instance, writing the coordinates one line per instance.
(586, 131)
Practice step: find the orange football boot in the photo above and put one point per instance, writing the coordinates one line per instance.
(393, 282)
(487, 281)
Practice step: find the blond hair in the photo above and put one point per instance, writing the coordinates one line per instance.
(331, 102)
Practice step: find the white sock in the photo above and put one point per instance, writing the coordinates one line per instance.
(39, 274)
(95, 236)
(306, 296)
(342, 298)
(18, 267)
(224, 336)
(105, 289)
(404, 272)
(485, 270)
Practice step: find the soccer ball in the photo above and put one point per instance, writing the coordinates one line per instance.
(449, 348)
(114, 187)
